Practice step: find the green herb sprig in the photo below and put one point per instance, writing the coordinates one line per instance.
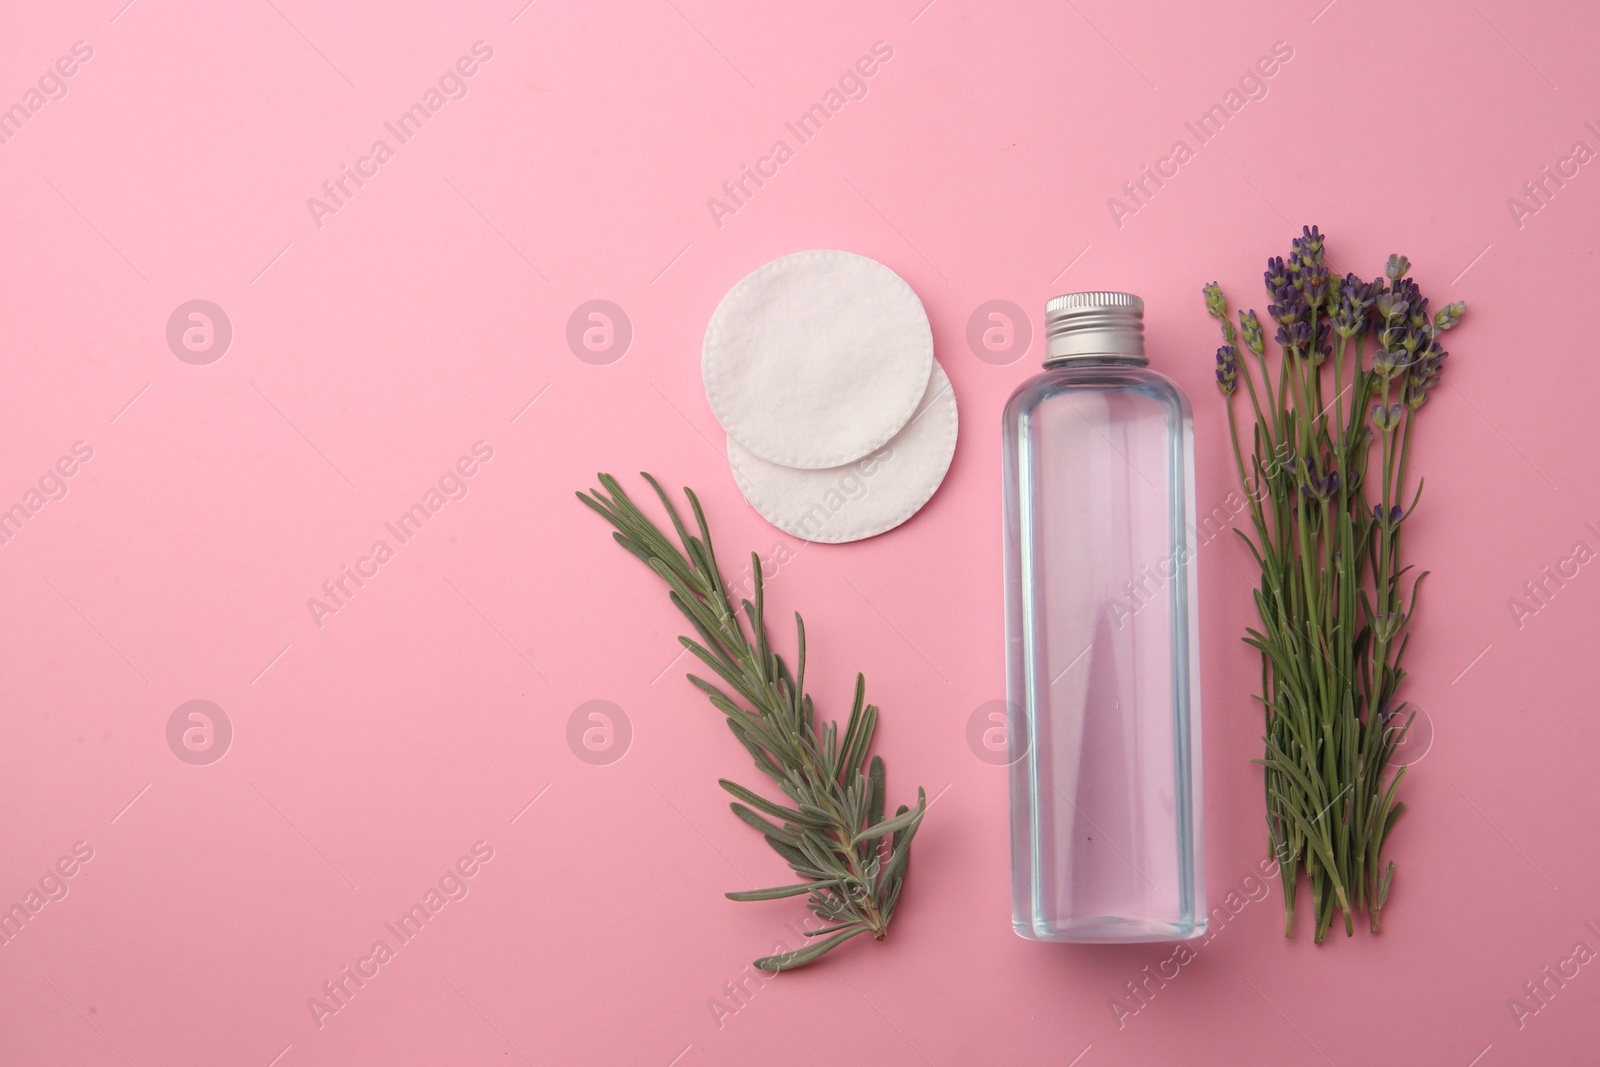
(1328, 494)
(851, 860)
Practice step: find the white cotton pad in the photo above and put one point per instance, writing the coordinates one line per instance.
(817, 358)
(875, 493)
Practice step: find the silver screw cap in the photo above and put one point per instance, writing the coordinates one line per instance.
(1094, 325)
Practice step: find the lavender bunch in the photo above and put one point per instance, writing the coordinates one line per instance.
(1334, 603)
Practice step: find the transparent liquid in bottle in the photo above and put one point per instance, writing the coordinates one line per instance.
(1103, 671)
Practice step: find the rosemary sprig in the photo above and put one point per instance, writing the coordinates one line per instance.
(1335, 612)
(851, 860)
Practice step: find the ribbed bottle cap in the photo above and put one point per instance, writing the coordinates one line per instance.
(1094, 326)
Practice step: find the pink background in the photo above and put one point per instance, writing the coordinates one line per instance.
(372, 351)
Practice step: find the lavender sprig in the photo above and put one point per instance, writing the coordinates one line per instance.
(832, 830)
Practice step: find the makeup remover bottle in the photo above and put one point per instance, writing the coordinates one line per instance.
(1102, 665)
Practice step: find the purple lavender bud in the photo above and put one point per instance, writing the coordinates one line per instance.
(1385, 418)
(1387, 363)
(1397, 267)
(1250, 326)
(1420, 371)
(1290, 307)
(1307, 248)
(1419, 314)
(1321, 486)
(1227, 369)
(1392, 306)
(1450, 314)
(1275, 277)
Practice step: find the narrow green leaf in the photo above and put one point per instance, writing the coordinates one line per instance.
(770, 829)
(857, 706)
(875, 791)
(776, 892)
(793, 857)
(888, 826)
(788, 961)
(826, 930)
(761, 803)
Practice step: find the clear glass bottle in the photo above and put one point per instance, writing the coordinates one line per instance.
(1102, 660)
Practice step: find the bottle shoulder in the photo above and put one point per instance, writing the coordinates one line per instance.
(1068, 380)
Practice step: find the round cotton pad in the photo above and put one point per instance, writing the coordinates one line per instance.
(817, 358)
(873, 494)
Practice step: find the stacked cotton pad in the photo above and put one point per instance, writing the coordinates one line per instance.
(820, 368)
